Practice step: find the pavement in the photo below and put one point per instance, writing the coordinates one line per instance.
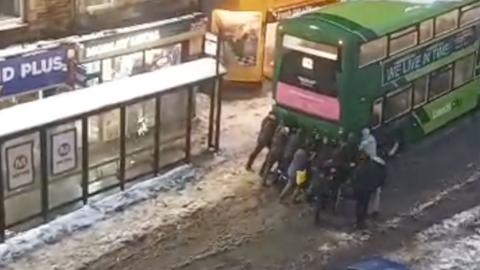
(227, 220)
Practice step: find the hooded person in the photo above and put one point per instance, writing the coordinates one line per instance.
(368, 143)
(264, 139)
(293, 144)
(296, 170)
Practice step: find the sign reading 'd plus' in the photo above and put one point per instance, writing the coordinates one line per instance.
(31, 72)
(401, 67)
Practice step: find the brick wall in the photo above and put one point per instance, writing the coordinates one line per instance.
(43, 19)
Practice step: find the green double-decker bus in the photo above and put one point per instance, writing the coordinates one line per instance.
(403, 67)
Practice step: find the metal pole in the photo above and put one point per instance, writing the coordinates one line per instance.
(2, 199)
(121, 173)
(156, 142)
(189, 125)
(211, 118)
(219, 113)
(85, 156)
(213, 95)
(44, 173)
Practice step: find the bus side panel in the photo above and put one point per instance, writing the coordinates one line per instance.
(444, 110)
(360, 93)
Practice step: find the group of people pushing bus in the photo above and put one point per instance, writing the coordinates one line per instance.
(319, 168)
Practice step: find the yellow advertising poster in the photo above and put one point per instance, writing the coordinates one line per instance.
(242, 39)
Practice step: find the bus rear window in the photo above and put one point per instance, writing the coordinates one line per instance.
(307, 66)
(309, 47)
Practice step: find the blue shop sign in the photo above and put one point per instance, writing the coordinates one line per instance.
(35, 71)
(412, 62)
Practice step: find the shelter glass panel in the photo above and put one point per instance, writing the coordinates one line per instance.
(140, 140)
(64, 146)
(104, 149)
(22, 177)
(173, 126)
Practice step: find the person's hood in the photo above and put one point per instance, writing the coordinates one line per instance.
(365, 133)
(379, 160)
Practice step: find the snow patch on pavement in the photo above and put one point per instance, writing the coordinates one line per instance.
(92, 213)
(419, 209)
(452, 244)
(451, 225)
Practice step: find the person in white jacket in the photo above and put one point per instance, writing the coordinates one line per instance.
(368, 144)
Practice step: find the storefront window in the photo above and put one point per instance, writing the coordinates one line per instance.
(26, 97)
(163, 57)
(10, 9)
(7, 103)
(54, 91)
(94, 70)
(122, 66)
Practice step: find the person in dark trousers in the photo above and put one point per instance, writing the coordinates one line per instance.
(264, 139)
(381, 171)
(275, 153)
(365, 180)
(293, 143)
(318, 191)
(299, 164)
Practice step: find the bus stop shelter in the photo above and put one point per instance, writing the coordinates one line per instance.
(64, 149)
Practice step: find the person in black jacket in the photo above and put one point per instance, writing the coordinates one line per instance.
(365, 180)
(293, 144)
(264, 139)
(275, 153)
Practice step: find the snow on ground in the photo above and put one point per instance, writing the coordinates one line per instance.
(451, 244)
(92, 213)
(158, 217)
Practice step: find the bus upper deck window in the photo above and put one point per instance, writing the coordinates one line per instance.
(446, 22)
(373, 51)
(403, 40)
(469, 14)
(426, 31)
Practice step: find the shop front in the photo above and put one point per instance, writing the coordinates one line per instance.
(34, 74)
(121, 53)
(248, 29)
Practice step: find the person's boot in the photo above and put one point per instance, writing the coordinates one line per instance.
(248, 167)
(375, 215)
(361, 225)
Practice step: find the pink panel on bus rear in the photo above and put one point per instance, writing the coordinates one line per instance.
(309, 102)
